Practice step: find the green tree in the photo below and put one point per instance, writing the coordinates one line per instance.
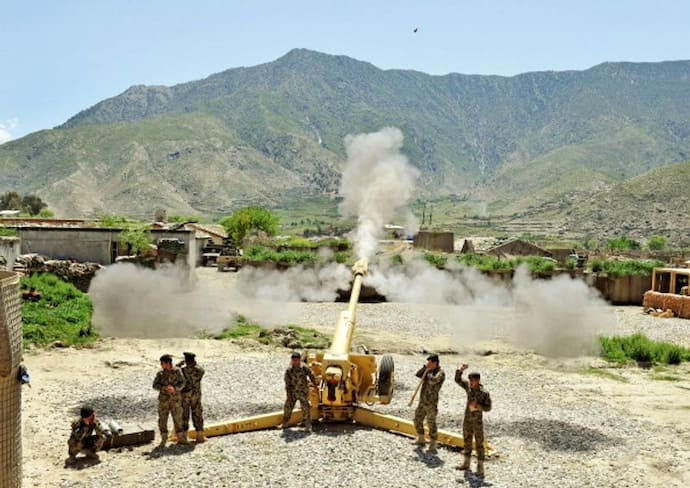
(248, 220)
(137, 239)
(33, 204)
(623, 243)
(656, 243)
(11, 201)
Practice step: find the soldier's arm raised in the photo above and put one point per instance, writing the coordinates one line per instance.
(458, 379)
(420, 373)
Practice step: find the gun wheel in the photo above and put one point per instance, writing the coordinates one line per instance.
(384, 385)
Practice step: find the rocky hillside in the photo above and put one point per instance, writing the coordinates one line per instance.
(272, 134)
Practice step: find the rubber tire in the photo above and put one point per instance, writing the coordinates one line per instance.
(384, 382)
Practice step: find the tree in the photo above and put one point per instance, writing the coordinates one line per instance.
(245, 221)
(656, 243)
(11, 201)
(32, 204)
(137, 239)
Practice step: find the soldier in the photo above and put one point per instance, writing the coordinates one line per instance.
(169, 382)
(88, 436)
(297, 388)
(478, 401)
(432, 379)
(191, 395)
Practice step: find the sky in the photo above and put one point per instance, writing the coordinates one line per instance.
(60, 57)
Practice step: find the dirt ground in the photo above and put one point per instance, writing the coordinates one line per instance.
(63, 378)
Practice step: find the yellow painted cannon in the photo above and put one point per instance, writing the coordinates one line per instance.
(346, 382)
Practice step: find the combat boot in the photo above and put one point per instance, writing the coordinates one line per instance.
(420, 440)
(91, 454)
(480, 468)
(164, 439)
(432, 445)
(200, 437)
(466, 463)
(182, 438)
(71, 460)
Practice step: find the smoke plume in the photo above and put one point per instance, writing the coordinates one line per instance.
(558, 318)
(376, 185)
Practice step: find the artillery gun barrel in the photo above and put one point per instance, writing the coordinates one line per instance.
(342, 338)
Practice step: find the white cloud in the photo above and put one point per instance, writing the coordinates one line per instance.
(5, 129)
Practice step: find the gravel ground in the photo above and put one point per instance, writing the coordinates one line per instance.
(555, 422)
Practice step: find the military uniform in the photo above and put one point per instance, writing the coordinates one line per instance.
(473, 424)
(297, 388)
(169, 403)
(191, 397)
(88, 438)
(428, 401)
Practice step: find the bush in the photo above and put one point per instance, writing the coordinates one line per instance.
(637, 347)
(7, 231)
(656, 243)
(438, 260)
(263, 253)
(625, 267)
(63, 313)
(623, 243)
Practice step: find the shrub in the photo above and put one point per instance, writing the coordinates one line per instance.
(625, 267)
(623, 243)
(63, 313)
(7, 231)
(438, 260)
(656, 243)
(638, 347)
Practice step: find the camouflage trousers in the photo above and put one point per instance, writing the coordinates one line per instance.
(290, 401)
(92, 444)
(191, 403)
(473, 426)
(173, 407)
(429, 412)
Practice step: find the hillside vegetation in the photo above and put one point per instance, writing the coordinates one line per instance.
(272, 135)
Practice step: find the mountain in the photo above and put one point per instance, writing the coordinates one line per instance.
(272, 134)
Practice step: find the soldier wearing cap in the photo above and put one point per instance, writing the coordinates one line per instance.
(169, 383)
(432, 377)
(87, 436)
(478, 401)
(191, 395)
(297, 388)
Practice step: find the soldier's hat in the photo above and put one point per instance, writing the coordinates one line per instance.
(189, 357)
(166, 358)
(474, 374)
(86, 412)
(433, 358)
(296, 355)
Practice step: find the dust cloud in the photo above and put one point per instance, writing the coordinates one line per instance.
(376, 185)
(130, 301)
(561, 317)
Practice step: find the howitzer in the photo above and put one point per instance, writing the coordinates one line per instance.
(346, 380)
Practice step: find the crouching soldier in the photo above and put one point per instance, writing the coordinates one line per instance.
(169, 383)
(478, 401)
(88, 436)
(191, 396)
(297, 388)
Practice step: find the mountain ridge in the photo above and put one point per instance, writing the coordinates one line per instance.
(255, 134)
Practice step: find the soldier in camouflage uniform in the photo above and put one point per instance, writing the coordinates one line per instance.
(87, 436)
(432, 379)
(478, 401)
(297, 388)
(191, 395)
(169, 383)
